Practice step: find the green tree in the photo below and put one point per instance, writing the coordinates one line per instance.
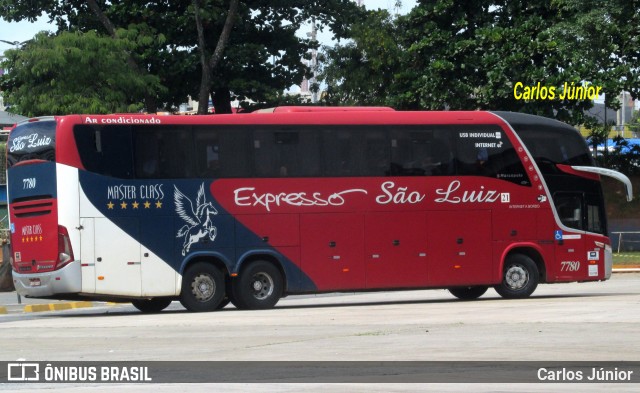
(362, 70)
(74, 73)
(469, 54)
(260, 55)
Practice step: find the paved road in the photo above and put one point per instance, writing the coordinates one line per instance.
(567, 322)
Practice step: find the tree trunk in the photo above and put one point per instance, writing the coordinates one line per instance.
(222, 100)
(212, 63)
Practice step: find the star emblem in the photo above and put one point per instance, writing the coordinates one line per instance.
(123, 205)
(135, 204)
(110, 205)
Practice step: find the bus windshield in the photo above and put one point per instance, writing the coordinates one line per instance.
(33, 141)
(578, 199)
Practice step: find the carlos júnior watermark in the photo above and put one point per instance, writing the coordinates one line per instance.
(591, 374)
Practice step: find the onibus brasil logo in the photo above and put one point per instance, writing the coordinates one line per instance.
(198, 218)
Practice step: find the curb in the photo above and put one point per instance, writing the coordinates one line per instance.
(627, 270)
(56, 306)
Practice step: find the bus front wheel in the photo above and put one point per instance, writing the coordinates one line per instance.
(151, 305)
(468, 293)
(520, 277)
(203, 288)
(259, 286)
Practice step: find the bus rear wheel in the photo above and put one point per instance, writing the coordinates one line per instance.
(468, 293)
(259, 286)
(520, 277)
(203, 288)
(153, 305)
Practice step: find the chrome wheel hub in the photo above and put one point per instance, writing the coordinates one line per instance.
(203, 287)
(516, 277)
(262, 286)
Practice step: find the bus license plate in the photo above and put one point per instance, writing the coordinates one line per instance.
(34, 282)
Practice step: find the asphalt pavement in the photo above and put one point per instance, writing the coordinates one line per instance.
(11, 302)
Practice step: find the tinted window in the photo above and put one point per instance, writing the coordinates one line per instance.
(356, 151)
(487, 151)
(341, 153)
(377, 153)
(550, 146)
(105, 150)
(222, 152)
(569, 208)
(164, 152)
(32, 141)
(284, 152)
(420, 152)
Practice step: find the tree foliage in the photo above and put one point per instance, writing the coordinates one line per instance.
(468, 54)
(73, 73)
(362, 71)
(262, 55)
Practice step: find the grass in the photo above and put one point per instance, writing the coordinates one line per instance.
(626, 258)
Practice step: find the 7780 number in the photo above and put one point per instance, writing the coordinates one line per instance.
(569, 266)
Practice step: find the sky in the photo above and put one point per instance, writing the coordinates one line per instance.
(23, 31)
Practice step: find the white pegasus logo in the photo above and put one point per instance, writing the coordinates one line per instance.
(199, 222)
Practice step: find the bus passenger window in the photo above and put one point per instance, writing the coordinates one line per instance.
(283, 152)
(106, 150)
(487, 151)
(420, 151)
(377, 153)
(163, 152)
(341, 156)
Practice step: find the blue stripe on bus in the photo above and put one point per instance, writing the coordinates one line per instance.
(159, 225)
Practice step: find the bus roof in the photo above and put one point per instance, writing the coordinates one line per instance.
(293, 109)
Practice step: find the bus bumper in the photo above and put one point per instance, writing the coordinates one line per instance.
(66, 280)
(608, 262)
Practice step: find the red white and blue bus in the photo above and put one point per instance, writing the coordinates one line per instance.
(250, 208)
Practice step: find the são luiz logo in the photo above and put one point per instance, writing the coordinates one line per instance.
(570, 91)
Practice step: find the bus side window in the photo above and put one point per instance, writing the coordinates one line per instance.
(442, 156)
(419, 151)
(286, 152)
(340, 153)
(163, 152)
(377, 153)
(106, 150)
(207, 157)
(487, 151)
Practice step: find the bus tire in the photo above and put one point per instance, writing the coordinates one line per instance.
(259, 286)
(202, 288)
(520, 277)
(153, 305)
(468, 293)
